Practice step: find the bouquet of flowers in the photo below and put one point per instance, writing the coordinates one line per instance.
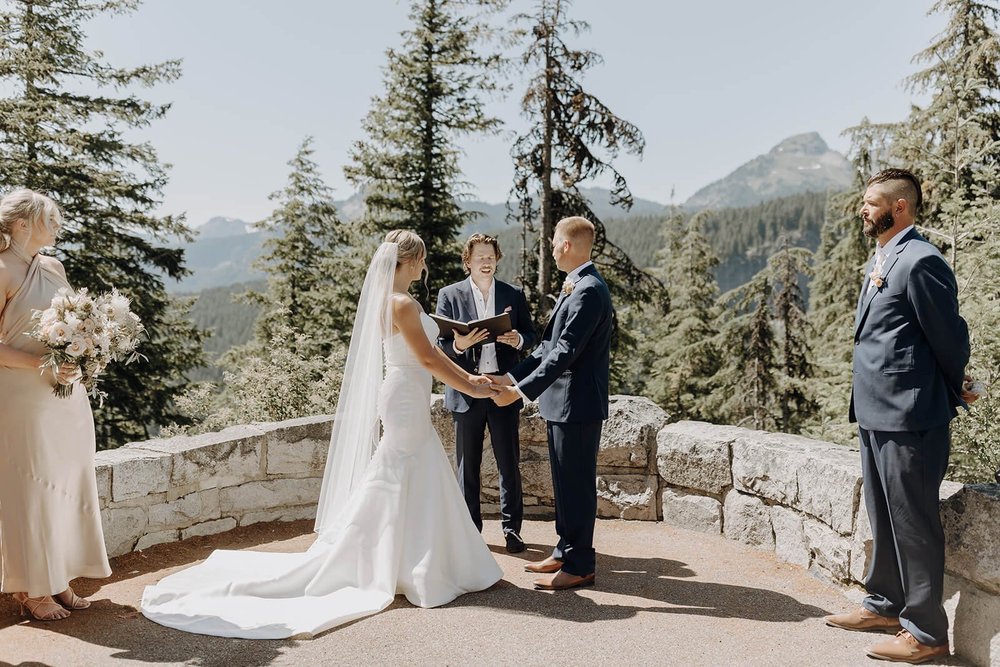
(89, 332)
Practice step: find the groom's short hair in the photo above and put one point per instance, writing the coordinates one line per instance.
(900, 184)
(578, 229)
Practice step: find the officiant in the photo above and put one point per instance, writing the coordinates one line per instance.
(479, 297)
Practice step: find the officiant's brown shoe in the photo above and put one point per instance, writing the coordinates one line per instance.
(548, 566)
(561, 581)
(904, 647)
(865, 620)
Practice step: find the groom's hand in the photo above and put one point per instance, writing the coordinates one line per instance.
(501, 380)
(506, 396)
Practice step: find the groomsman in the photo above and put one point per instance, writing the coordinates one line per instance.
(910, 351)
(480, 296)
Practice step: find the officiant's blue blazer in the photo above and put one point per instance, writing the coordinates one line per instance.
(457, 302)
(568, 371)
(910, 344)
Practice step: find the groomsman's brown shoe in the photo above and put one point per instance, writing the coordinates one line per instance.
(904, 647)
(865, 620)
(548, 566)
(561, 581)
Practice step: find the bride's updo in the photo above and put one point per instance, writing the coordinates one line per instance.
(411, 246)
(30, 206)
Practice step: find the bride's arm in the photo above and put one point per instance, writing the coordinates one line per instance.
(406, 318)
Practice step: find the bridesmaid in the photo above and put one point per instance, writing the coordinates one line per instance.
(50, 523)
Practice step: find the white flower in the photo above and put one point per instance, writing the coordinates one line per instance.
(88, 325)
(76, 347)
(73, 322)
(59, 334)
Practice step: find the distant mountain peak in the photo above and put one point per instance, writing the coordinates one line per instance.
(800, 163)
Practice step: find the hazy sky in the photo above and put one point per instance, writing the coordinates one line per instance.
(711, 84)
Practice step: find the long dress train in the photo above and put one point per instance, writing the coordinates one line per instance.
(406, 530)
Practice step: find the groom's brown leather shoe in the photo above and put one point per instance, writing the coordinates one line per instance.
(865, 620)
(560, 581)
(548, 566)
(904, 647)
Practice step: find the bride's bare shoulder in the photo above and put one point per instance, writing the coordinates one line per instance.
(403, 302)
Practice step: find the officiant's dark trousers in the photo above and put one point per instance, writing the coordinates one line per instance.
(470, 429)
(902, 473)
(573, 457)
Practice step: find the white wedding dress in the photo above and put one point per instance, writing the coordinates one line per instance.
(405, 529)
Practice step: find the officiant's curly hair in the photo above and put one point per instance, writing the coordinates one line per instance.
(30, 206)
(475, 239)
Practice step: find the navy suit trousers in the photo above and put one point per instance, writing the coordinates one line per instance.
(573, 457)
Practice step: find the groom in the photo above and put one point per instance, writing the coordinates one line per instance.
(568, 374)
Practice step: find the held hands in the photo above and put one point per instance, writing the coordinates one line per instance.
(506, 395)
(972, 390)
(474, 337)
(500, 380)
(482, 387)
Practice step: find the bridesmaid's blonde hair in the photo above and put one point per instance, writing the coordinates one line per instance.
(30, 206)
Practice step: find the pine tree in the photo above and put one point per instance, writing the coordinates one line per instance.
(953, 144)
(796, 390)
(572, 137)
(312, 272)
(64, 129)
(682, 348)
(408, 167)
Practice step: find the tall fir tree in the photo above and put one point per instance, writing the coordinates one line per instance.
(684, 357)
(65, 128)
(435, 89)
(572, 137)
(313, 270)
(953, 144)
(796, 394)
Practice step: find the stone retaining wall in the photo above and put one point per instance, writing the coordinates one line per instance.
(798, 497)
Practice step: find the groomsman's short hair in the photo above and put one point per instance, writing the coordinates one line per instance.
(579, 230)
(475, 239)
(901, 184)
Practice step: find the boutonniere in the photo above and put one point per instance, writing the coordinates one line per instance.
(877, 279)
(568, 287)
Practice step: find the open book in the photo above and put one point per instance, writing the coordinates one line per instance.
(496, 325)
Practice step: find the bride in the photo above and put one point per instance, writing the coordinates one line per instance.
(391, 518)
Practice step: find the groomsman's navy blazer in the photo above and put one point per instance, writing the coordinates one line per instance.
(568, 371)
(910, 344)
(457, 302)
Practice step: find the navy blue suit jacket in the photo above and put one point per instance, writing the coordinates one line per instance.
(568, 371)
(910, 344)
(457, 302)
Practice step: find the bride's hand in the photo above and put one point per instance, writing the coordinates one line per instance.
(66, 373)
(484, 391)
(480, 379)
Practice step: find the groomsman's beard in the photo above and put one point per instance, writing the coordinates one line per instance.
(873, 228)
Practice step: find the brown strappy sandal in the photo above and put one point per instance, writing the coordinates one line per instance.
(51, 610)
(74, 601)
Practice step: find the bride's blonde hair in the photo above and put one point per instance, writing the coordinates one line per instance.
(410, 248)
(30, 206)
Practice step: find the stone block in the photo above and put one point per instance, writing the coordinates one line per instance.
(103, 469)
(152, 539)
(627, 497)
(974, 621)
(135, 472)
(971, 521)
(691, 511)
(747, 519)
(230, 457)
(123, 526)
(861, 544)
(790, 543)
(209, 528)
(818, 478)
(283, 514)
(695, 455)
(316, 427)
(182, 512)
(828, 549)
(305, 457)
(269, 495)
(628, 437)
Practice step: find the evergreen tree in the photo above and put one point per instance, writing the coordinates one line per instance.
(572, 137)
(312, 272)
(408, 166)
(747, 384)
(796, 390)
(64, 129)
(682, 348)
